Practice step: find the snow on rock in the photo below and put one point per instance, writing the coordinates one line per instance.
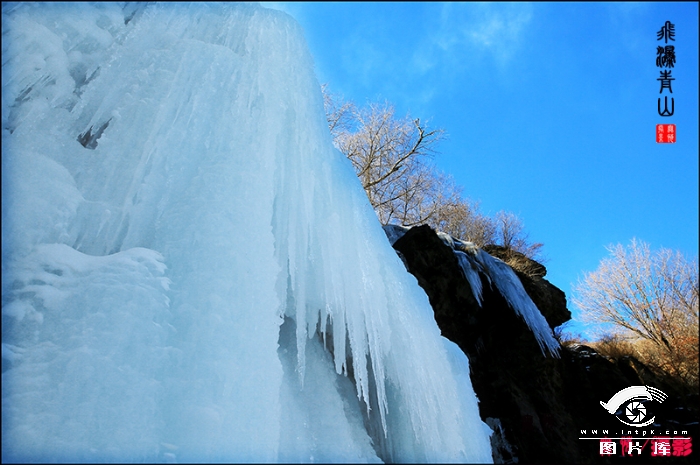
(475, 262)
(510, 287)
(394, 232)
(190, 270)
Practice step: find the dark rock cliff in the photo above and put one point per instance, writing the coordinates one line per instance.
(537, 404)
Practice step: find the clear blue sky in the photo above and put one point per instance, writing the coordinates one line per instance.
(550, 110)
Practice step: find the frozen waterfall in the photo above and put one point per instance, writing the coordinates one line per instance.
(190, 270)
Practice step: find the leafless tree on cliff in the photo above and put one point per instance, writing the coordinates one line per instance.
(651, 298)
(392, 157)
(510, 233)
(463, 219)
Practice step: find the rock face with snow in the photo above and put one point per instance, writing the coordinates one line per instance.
(537, 401)
(549, 299)
(516, 381)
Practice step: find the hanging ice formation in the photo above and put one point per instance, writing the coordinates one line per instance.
(475, 263)
(190, 271)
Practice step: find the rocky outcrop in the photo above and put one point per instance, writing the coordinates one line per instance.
(536, 402)
(549, 299)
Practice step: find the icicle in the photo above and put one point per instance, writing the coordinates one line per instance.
(471, 273)
(510, 287)
(475, 262)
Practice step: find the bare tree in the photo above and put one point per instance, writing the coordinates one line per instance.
(652, 297)
(391, 156)
(510, 233)
(462, 218)
(339, 112)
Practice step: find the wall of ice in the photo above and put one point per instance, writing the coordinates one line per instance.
(190, 271)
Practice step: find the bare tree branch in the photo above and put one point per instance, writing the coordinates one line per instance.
(392, 158)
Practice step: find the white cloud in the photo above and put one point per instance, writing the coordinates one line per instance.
(466, 31)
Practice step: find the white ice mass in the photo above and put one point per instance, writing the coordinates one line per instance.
(190, 270)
